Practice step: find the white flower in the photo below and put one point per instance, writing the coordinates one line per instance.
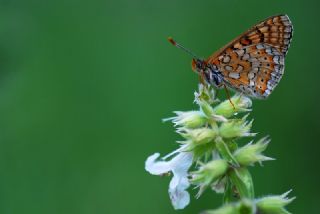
(179, 166)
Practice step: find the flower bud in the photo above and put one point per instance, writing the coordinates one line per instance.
(236, 128)
(241, 104)
(206, 108)
(251, 153)
(204, 99)
(244, 206)
(205, 93)
(189, 119)
(209, 173)
(226, 209)
(198, 136)
(274, 204)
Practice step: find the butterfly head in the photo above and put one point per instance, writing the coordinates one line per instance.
(211, 75)
(198, 65)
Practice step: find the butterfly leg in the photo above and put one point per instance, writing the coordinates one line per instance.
(228, 95)
(241, 94)
(201, 79)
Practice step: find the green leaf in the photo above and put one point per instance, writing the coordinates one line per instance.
(228, 194)
(241, 178)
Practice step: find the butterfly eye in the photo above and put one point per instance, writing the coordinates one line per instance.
(199, 65)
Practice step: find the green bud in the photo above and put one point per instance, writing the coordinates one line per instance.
(246, 206)
(266, 205)
(226, 209)
(243, 207)
(236, 128)
(206, 108)
(198, 136)
(241, 104)
(206, 93)
(274, 204)
(189, 119)
(251, 153)
(204, 99)
(209, 173)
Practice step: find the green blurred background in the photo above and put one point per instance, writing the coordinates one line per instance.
(84, 86)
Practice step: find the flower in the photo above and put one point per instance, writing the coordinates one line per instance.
(210, 137)
(179, 166)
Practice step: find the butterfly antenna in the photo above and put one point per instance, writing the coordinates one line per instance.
(181, 47)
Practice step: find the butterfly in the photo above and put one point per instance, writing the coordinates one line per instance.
(252, 63)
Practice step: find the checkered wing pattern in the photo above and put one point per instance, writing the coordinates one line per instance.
(253, 63)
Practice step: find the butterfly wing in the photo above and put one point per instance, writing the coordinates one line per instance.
(253, 63)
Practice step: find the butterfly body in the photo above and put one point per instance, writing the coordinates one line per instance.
(253, 63)
(210, 72)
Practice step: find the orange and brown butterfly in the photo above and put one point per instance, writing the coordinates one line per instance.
(253, 63)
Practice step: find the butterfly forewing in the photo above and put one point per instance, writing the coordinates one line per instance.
(253, 63)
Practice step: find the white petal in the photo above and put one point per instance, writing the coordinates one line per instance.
(180, 198)
(179, 165)
(157, 167)
(175, 152)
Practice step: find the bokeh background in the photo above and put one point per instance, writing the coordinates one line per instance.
(84, 86)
